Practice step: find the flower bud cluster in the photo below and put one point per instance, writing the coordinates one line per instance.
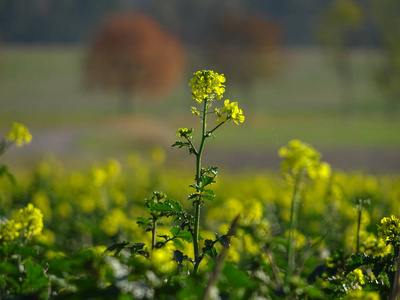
(389, 230)
(207, 84)
(231, 111)
(27, 223)
(20, 134)
(301, 157)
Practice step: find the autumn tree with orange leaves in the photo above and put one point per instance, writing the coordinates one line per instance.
(133, 54)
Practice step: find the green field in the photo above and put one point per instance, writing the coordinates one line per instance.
(43, 88)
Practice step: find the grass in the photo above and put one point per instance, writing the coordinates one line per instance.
(42, 87)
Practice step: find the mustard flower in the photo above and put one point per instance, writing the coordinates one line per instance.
(27, 223)
(207, 84)
(232, 110)
(31, 219)
(162, 260)
(357, 277)
(362, 295)
(184, 132)
(301, 157)
(389, 230)
(20, 134)
(9, 231)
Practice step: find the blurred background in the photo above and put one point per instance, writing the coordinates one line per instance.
(94, 79)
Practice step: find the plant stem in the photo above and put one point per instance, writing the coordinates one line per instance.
(359, 225)
(198, 182)
(396, 288)
(153, 234)
(294, 211)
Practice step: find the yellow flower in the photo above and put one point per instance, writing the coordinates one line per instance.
(31, 219)
(301, 157)
(361, 295)
(389, 230)
(163, 262)
(27, 223)
(233, 112)
(20, 134)
(207, 84)
(184, 132)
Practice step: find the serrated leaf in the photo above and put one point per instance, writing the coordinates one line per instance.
(206, 180)
(212, 252)
(179, 243)
(175, 230)
(118, 247)
(165, 237)
(193, 195)
(224, 240)
(185, 235)
(237, 277)
(209, 191)
(208, 197)
(143, 221)
(180, 144)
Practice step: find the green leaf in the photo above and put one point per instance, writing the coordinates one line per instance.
(193, 195)
(175, 230)
(118, 247)
(206, 180)
(4, 172)
(143, 221)
(185, 235)
(179, 243)
(212, 252)
(35, 277)
(209, 249)
(208, 197)
(13, 282)
(8, 268)
(237, 277)
(180, 144)
(224, 240)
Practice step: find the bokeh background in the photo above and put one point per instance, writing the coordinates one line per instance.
(95, 79)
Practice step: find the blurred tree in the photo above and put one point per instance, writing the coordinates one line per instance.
(246, 49)
(134, 55)
(386, 14)
(339, 23)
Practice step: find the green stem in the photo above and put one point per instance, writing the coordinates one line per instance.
(204, 135)
(359, 226)
(396, 288)
(154, 233)
(294, 211)
(216, 127)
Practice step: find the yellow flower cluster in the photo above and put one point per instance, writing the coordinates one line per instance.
(357, 277)
(361, 295)
(27, 223)
(389, 230)
(301, 157)
(184, 132)
(31, 219)
(207, 84)
(162, 260)
(20, 134)
(100, 175)
(231, 110)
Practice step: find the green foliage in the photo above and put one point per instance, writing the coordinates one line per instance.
(281, 238)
